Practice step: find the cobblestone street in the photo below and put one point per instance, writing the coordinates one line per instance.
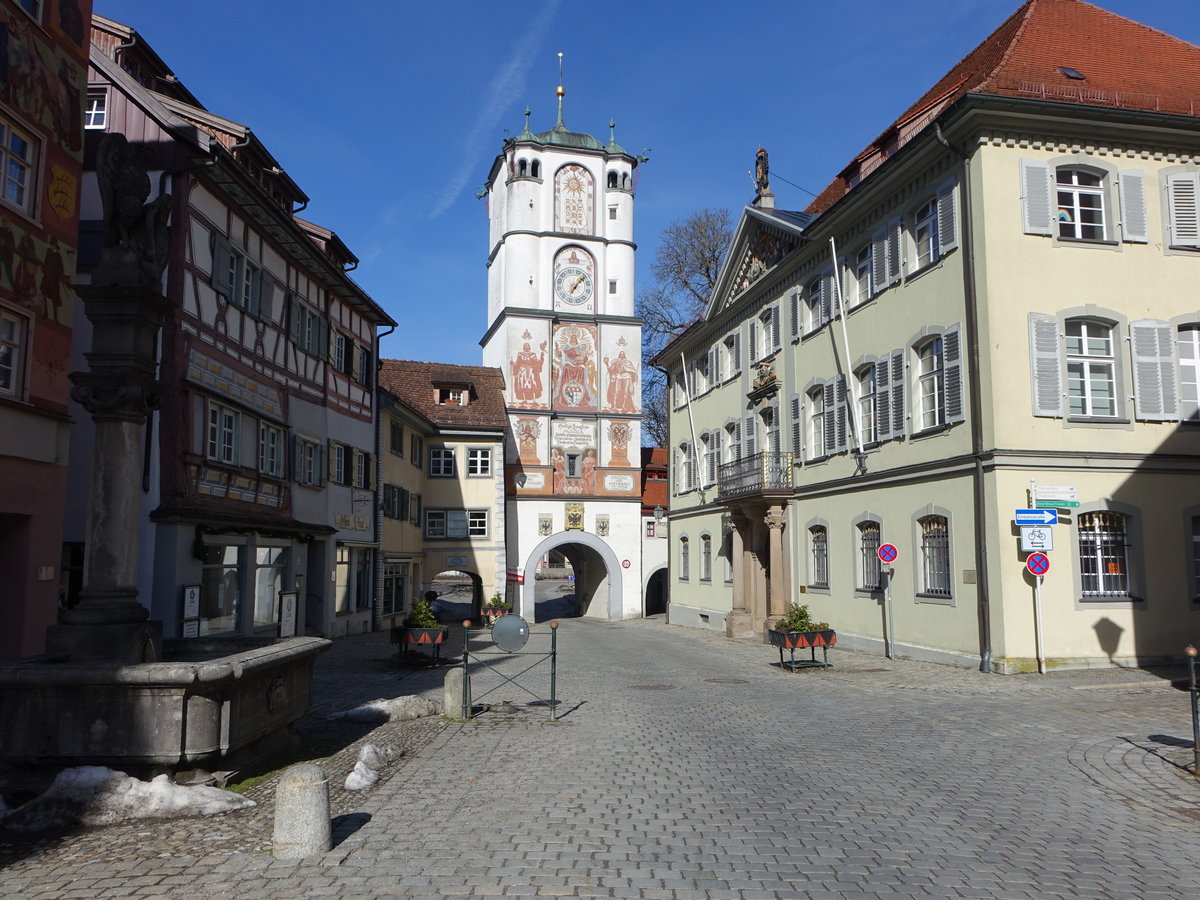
(687, 766)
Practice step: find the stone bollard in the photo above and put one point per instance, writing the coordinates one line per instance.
(452, 694)
(302, 825)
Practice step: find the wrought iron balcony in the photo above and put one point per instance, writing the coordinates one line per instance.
(761, 473)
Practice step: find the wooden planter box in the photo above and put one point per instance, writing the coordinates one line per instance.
(800, 640)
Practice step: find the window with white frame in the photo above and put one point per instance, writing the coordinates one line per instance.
(1091, 369)
(13, 329)
(479, 461)
(1080, 195)
(270, 564)
(733, 353)
(242, 281)
(684, 559)
(870, 568)
(925, 233)
(270, 449)
(816, 422)
(338, 354)
(705, 557)
(1188, 344)
(684, 468)
(309, 466)
(712, 456)
(816, 305)
(455, 523)
(861, 289)
(222, 434)
(477, 523)
(339, 469)
(96, 114)
(1103, 554)
(867, 404)
(818, 542)
(309, 332)
(770, 420)
(935, 556)
(733, 441)
(441, 462)
(931, 369)
(18, 164)
(362, 470)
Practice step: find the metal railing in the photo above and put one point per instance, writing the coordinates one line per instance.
(755, 475)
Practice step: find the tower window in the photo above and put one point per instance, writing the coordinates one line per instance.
(522, 167)
(536, 169)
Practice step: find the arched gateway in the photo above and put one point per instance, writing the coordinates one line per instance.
(598, 574)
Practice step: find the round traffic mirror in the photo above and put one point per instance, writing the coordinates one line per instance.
(510, 632)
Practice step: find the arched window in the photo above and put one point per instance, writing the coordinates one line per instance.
(1103, 554)
(684, 560)
(612, 179)
(706, 557)
(522, 167)
(932, 374)
(1080, 204)
(536, 169)
(868, 543)
(935, 556)
(818, 541)
(1091, 368)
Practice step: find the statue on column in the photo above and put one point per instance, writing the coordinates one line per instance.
(135, 231)
(762, 171)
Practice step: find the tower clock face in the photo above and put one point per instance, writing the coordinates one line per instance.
(573, 285)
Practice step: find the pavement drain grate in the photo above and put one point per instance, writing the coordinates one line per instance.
(652, 687)
(726, 681)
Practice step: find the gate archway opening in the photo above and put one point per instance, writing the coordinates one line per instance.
(655, 603)
(589, 583)
(459, 596)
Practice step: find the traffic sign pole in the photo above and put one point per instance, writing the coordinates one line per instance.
(1037, 623)
(887, 554)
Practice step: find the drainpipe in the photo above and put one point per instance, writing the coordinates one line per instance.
(976, 412)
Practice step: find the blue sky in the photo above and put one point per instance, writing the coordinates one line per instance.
(388, 113)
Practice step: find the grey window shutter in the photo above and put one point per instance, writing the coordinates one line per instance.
(776, 343)
(879, 270)
(266, 294)
(952, 358)
(840, 414)
(830, 413)
(1183, 201)
(714, 366)
(737, 352)
(797, 429)
(319, 463)
(736, 440)
(333, 474)
(947, 217)
(222, 257)
(897, 387)
(297, 462)
(1037, 194)
(753, 340)
(1045, 368)
(1133, 206)
(1155, 393)
(893, 251)
(748, 438)
(323, 349)
(794, 303)
(295, 319)
(883, 395)
(828, 299)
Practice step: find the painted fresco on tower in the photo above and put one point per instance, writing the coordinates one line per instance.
(574, 280)
(574, 193)
(574, 368)
(573, 457)
(527, 371)
(621, 376)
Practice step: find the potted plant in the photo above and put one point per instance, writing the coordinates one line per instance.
(797, 630)
(421, 627)
(495, 608)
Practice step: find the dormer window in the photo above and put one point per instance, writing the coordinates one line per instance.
(452, 396)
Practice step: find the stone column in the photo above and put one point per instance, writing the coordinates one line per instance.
(738, 623)
(775, 521)
(109, 625)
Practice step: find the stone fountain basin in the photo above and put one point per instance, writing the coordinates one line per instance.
(198, 711)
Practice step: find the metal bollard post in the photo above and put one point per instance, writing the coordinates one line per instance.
(1191, 655)
(553, 670)
(466, 685)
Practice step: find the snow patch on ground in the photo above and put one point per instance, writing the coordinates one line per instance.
(94, 795)
(371, 760)
(398, 709)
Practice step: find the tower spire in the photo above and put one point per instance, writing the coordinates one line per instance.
(560, 92)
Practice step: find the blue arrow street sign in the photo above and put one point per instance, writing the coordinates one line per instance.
(1036, 516)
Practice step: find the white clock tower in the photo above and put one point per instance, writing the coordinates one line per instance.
(561, 327)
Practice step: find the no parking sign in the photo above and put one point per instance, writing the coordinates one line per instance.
(1038, 564)
(887, 552)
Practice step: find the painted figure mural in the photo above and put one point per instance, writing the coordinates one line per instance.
(526, 368)
(575, 368)
(622, 384)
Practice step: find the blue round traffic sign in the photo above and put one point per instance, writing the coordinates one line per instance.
(887, 552)
(1038, 563)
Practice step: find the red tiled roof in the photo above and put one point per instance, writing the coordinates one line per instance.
(1125, 65)
(415, 384)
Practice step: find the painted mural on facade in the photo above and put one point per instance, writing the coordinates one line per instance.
(527, 373)
(621, 376)
(574, 368)
(573, 457)
(574, 190)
